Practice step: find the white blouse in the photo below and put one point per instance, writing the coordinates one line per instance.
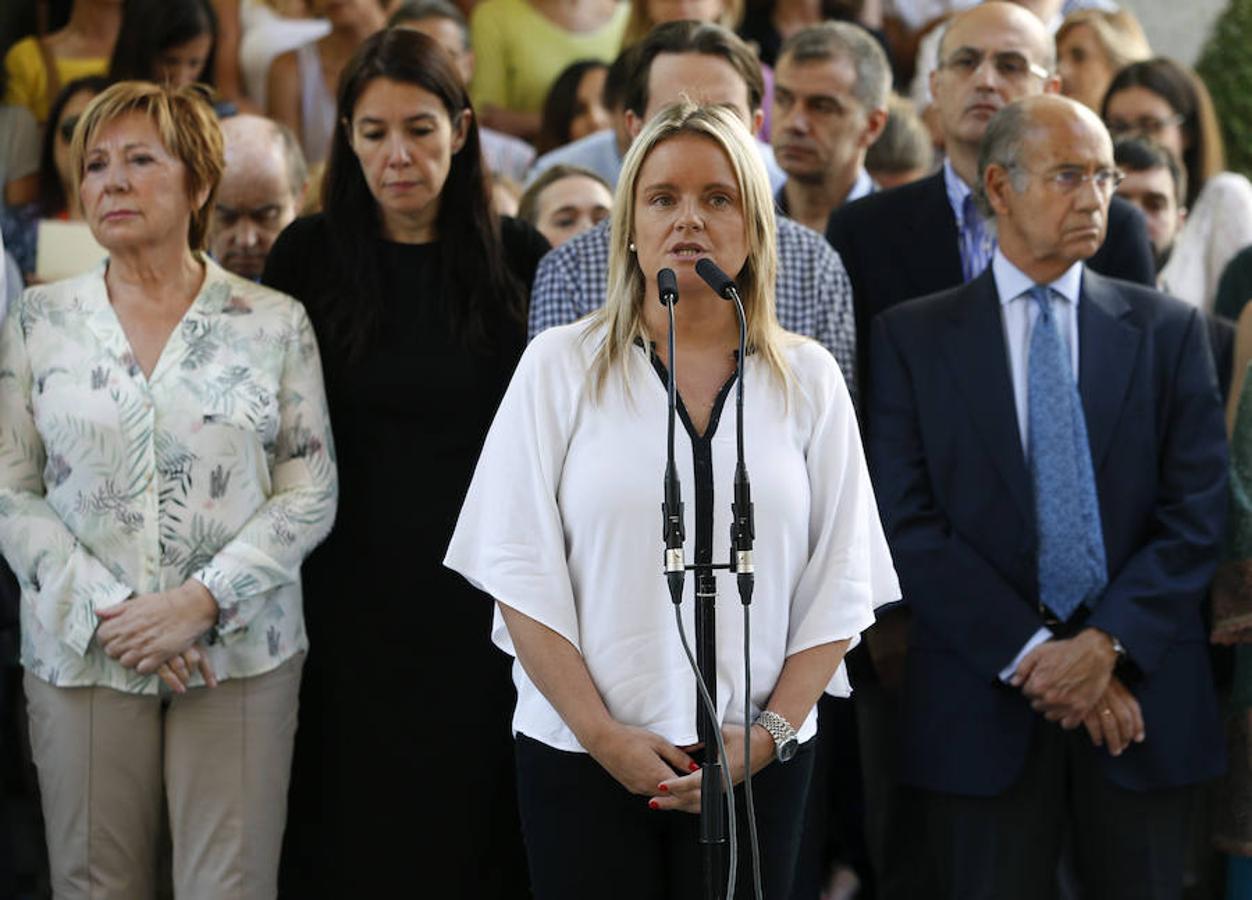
(562, 523)
(1217, 227)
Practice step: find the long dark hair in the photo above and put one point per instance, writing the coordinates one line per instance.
(1187, 96)
(150, 27)
(481, 302)
(52, 199)
(561, 105)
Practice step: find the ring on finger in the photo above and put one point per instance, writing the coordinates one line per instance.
(1106, 712)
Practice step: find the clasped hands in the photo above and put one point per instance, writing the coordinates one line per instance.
(1071, 682)
(648, 765)
(159, 632)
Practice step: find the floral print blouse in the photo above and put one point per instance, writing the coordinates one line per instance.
(218, 467)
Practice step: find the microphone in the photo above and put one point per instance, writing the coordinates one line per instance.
(673, 530)
(742, 526)
(667, 286)
(721, 283)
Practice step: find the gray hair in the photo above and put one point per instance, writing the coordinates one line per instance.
(419, 10)
(1002, 146)
(841, 40)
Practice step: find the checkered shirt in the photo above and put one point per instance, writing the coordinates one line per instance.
(813, 293)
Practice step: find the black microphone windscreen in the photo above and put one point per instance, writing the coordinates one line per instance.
(667, 286)
(714, 277)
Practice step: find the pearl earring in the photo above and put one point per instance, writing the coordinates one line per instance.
(632, 246)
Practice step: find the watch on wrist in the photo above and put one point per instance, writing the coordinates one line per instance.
(785, 739)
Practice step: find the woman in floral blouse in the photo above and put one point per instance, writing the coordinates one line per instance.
(165, 465)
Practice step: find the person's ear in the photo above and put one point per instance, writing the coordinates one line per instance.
(199, 198)
(758, 121)
(875, 122)
(997, 183)
(634, 124)
(460, 130)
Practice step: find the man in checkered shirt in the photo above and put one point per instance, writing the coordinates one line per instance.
(711, 65)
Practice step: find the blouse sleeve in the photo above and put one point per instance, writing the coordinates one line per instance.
(272, 544)
(849, 571)
(67, 583)
(490, 84)
(1231, 229)
(509, 540)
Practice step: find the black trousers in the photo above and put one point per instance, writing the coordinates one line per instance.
(1126, 844)
(587, 836)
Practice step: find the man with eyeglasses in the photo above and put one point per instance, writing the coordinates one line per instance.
(912, 241)
(928, 236)
(1049, 455)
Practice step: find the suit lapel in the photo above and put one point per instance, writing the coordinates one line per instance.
(975, 351)
(933, 247)
(1108, 343)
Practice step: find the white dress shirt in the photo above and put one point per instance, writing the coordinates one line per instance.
(562, 523)
(1018, 313)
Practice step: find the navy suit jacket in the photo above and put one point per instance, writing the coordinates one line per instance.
(901, 244)
(956, 499)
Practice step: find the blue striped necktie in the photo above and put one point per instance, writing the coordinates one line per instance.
(1072, 568)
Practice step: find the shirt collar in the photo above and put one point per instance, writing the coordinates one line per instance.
(1012, 282)
(862, 187)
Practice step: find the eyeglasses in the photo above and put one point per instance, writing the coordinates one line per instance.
(1009, 64)
(1148, 126)
(1068, 179)
(67, 128)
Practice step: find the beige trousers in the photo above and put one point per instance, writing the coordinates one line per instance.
(220, 756)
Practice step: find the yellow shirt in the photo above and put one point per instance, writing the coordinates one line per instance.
(28, 80)
(518, 52)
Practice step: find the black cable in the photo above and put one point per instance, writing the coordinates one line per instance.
(727, 785)
(747, 753)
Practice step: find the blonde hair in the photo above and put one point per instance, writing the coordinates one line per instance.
(640, 23)
(187, 126)
(622, 313)
(1118, 33)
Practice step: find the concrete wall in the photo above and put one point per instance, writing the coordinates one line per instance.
(1177, 28)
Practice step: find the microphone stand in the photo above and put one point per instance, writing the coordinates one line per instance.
(712, 800)
(742, 535)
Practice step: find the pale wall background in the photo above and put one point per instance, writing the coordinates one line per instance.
(1177, 28)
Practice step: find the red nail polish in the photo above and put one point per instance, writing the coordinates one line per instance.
(652, 804)
(662, 787)
(695, 767)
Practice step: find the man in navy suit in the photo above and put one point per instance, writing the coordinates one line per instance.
(1054, 537)
(928, 236)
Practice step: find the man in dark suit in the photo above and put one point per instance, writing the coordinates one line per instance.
(1054, 538)
(912, 241)
(927, 236)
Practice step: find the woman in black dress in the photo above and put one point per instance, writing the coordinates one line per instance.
(402, 780)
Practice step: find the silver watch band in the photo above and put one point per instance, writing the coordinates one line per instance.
(780, 730)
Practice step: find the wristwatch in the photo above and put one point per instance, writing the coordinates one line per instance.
(785, 740)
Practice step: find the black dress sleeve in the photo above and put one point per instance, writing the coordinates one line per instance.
(523, 248)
